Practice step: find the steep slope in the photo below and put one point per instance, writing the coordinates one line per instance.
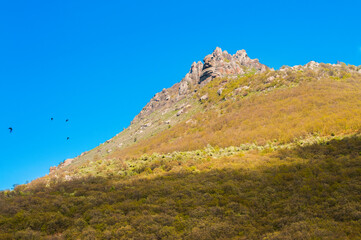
(176, 104)
(234, 151)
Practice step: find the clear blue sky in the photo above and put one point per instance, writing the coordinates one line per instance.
(99, 62)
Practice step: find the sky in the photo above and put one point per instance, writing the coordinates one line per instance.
(97, 63)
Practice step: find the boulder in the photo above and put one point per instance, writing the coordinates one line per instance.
(179, 112)
(204, 97)
(241, 91)
(146, 125)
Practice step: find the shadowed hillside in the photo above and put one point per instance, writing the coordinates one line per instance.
(310, 192)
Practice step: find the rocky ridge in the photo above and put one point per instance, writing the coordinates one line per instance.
(218, 64)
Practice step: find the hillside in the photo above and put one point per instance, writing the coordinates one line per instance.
(235, 150)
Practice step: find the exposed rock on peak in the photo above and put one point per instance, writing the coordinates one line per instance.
(218, 64)
(221, 63)
(312, 64)
(191, 78)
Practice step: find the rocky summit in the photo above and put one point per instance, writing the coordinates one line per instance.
(218, 64)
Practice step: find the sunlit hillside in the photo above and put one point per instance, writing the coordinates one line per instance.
(269, 108)
(251, 154)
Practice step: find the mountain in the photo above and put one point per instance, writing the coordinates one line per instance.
(173, 105)
(235, 150)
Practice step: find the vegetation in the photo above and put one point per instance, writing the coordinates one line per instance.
(275, 155)
(324, 107)
(299, 193)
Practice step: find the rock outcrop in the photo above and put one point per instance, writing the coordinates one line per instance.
(218, 64)
(191, 78)
(52, 169)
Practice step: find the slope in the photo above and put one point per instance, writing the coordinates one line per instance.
(234, 151)
(309, 192)
(174, 105)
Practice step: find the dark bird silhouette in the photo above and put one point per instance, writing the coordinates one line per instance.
(67, 138)
(51, 119)
(11, 129)
(67, 120)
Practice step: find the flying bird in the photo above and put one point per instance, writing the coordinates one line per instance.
(67, 120)
(67, 138)
(51, 119)
(11, 129)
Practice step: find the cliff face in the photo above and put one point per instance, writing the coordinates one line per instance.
(218, 64)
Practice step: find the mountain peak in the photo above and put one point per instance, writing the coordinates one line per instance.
(217, 51)
(221, 63)
(217, 64)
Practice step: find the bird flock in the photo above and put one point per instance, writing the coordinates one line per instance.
(51, 119)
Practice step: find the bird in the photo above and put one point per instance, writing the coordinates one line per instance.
(67, 138)
(51, 119)
(67, 120)
(11, 129)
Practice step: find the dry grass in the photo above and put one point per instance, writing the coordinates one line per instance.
(323, 107)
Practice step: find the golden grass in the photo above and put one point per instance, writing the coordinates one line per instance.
(321, 107)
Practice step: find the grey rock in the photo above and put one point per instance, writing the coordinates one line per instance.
(191, 78)
(241, 90)
(312, 65)
(146, 125)
(220, 63)
(183, 87)
(270, 79)
(179, 112)
(204, 97)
